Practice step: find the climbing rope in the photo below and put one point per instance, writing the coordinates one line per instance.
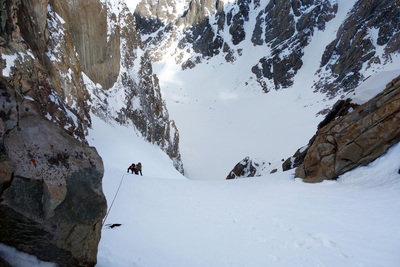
(105, 218)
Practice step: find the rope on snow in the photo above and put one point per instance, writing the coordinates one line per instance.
(120, 183)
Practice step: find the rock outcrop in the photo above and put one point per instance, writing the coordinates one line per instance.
(248, 168)
(52, 202)
(245, 168)
(98, 49)
(51, 199)
(344, 142)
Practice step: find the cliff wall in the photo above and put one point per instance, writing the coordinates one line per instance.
(52, 202)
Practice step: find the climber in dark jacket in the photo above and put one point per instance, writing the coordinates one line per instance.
(131, 168)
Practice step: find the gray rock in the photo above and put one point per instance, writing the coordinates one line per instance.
(7, 169)
(52, 201)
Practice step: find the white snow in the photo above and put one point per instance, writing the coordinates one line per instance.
(373, 85)
(9, 64)
(273, 220)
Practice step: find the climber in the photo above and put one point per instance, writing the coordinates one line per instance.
(139, 168)
(131, 168)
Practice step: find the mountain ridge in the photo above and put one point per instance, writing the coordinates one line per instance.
(299, 21)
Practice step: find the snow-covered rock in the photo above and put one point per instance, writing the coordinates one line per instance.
(247, 168)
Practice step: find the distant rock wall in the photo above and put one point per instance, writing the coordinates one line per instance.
(97, 47)
(136, 90)
(368, 37)
(211, 28)
(356, 47)
(358, 138)
(287, 26)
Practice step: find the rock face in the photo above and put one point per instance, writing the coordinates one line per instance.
(348, 141)
(98, 50)
(83, 55)
(208, 29)
(355, 46)
(244, 168)
(51, 199)
(287, 26)
(52, 202)
(340, 109)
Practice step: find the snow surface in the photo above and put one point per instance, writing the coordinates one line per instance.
(273, 220)
(9, 63)
(374, 84)
(20, 259)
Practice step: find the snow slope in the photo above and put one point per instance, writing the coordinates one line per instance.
(273, 220)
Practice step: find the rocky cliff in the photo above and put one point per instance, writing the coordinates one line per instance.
(287, 27)
(351, 136)
(52, 202)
